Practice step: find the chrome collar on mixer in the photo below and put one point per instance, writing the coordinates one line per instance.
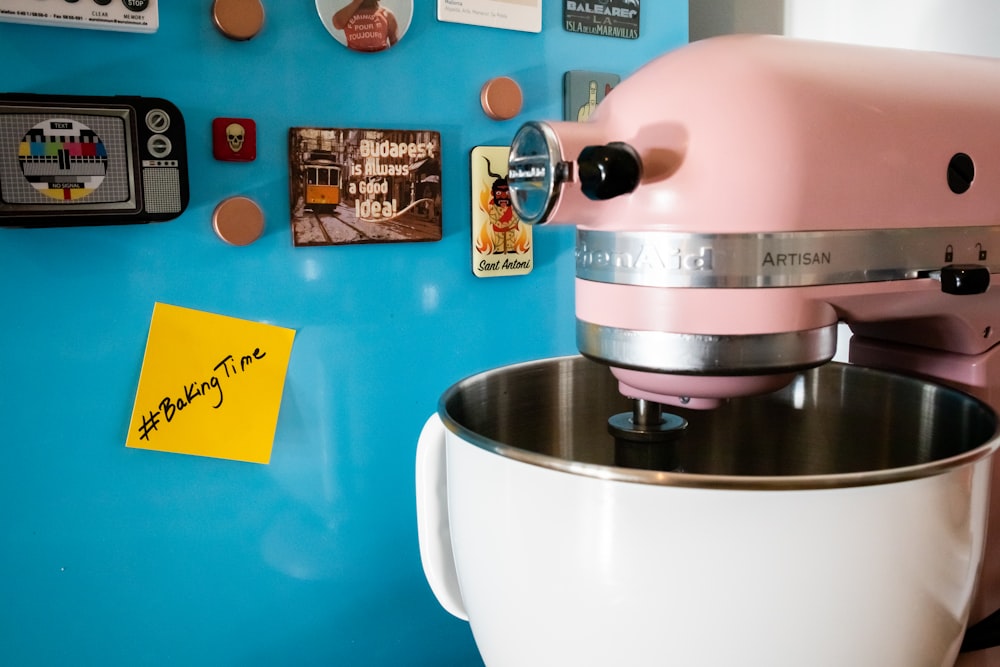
(788, 259)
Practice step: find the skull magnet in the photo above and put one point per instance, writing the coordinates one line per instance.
(234, 139)
(235, 133)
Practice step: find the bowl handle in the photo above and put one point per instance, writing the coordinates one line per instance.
(433, 529)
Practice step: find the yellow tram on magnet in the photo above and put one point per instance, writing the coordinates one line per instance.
(322, 181)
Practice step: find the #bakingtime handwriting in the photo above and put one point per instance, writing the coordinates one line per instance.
(170, 407)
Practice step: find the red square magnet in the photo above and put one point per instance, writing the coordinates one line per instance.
(234, 139)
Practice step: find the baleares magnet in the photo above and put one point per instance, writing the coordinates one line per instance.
(234, 139)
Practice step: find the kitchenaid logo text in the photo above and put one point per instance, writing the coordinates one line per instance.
(655, 257)
(649, 257)
(529, 174)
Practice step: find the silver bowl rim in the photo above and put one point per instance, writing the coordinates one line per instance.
(711, 481)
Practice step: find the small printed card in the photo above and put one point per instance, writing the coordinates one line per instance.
(353, 185)
(210, 385)
(525, 15)
(501, 243)
(583, 91)
(610, 18)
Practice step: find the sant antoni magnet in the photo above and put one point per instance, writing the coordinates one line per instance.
(501, 243)
(610, 18)
(366, 26)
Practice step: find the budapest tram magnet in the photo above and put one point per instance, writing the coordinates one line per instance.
(360, 185)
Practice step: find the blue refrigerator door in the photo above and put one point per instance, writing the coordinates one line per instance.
(117, 556)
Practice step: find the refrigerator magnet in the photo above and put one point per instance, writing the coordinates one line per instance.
(234, 139)
(501, 98)
(610, 18)
(238, 221)
(360, 185)
(238, 20)
(501, 243)
(366, 26)
(583, 91)
(524, 15)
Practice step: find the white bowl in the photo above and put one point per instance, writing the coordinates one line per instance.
(837, 522)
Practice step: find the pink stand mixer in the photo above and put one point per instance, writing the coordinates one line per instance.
(727, 493)
(739, 198)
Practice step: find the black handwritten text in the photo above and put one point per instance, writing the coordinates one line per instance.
(171, 406)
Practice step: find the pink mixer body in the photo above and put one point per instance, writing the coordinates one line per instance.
(740, 199)
(764, 134)
(785, 186)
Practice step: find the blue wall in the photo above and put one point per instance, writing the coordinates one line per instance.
(113, 556)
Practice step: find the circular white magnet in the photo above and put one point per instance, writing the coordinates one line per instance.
(367, 26)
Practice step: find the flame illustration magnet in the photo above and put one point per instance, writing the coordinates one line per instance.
(501, 243)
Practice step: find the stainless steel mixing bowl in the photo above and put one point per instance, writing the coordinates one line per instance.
(835, 425)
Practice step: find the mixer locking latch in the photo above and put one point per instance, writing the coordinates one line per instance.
(964, 279)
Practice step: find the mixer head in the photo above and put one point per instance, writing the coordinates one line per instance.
(736, 199)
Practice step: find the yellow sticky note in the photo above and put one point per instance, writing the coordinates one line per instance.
(210, 385)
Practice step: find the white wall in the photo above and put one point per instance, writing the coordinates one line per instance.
(956, 26)
(707, 18)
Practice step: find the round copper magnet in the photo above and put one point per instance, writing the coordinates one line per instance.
(501, 98)
(238, 221)
(238, 19)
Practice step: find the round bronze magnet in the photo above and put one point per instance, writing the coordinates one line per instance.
(501, 98)
(238, 19)
(238, 221)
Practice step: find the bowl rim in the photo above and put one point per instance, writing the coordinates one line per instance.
(714, 481)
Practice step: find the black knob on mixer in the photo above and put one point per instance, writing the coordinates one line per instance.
(965, 279)
(608, 171)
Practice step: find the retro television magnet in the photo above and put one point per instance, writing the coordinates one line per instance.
(67, 161)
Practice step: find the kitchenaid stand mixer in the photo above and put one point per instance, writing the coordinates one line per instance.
(738, 199)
